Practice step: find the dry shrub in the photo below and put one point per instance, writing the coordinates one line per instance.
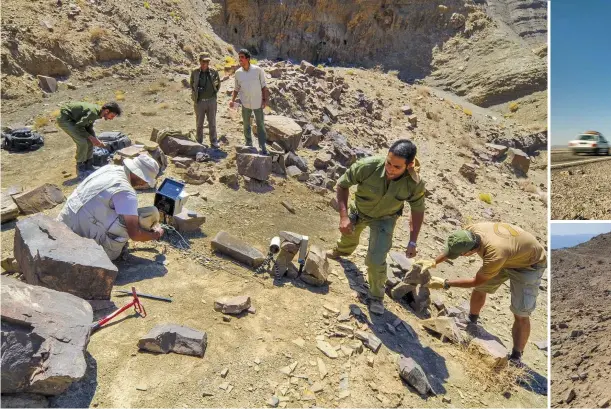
(485, 197)
(120, 95)
(97, 33)
(188, 49)
(467, 111)
(164, 105)
(513, 106)
(41, 122)
(465, 142)
(148, 113)
(528, 186)
(156, 87)
(423, 91)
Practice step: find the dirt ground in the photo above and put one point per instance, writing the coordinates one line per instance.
(580, 324)
(581, 192)
(120, 376)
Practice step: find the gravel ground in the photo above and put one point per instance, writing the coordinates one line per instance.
(582, 192)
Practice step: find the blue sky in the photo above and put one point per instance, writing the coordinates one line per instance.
(565, 229)
(580, 68)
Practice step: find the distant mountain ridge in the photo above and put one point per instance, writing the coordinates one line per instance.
(566, 241)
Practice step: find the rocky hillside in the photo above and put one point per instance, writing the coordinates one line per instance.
(491, 53)
(581, 317)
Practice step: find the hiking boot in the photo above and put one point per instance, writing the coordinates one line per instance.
(515, 362)
(89, 165)
(81, 170)
(215, 145)
(376, 306)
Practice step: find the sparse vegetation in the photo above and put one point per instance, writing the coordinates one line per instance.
(423, 91)
(485, 197)
(164, 105)
(120, 95)
(465, 142)
(97, 33)
(188, 49)
(156, 87)
(147, 5)
(350, 72)
(54, 114)
(148, 113)
(513, 106)
(230, 48)
(41, 122)
(467, 111)
(254, 61)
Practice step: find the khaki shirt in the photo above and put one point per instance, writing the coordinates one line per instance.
(506, 246)
(376, 196)
(249, 85)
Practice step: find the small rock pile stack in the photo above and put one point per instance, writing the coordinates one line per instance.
(316, 267)
(406, 280)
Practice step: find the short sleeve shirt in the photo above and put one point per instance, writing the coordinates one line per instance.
(126, 203)
(506, 246)
(376, 196)
(249, 85)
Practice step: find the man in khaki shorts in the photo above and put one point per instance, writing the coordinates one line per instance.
(509, 253)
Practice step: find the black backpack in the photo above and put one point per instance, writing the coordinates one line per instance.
(114, 141)
(22, 139)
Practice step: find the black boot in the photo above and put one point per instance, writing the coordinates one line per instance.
(81, 170)
(89, 165)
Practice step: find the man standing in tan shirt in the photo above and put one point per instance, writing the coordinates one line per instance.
(508, 253)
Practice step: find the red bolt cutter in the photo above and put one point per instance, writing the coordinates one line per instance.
(139, 308)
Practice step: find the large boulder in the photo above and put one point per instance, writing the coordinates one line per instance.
(173, 146)
(38, 199)
(53, 256)
(44, 338)
(519, 160)
(254, 166)
(283, 130)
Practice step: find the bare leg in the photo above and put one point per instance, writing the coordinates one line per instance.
(520, 332)
(478, 299)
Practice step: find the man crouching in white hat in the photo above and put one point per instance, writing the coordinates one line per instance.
(104, 207)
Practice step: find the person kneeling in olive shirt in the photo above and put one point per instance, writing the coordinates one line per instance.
(508, 253)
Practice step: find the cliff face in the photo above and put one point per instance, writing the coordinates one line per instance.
(490, 53)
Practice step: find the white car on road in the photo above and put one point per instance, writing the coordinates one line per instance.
(590, 142)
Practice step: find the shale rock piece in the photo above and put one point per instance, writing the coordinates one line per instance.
(254, 166)
(175, 338)
(233, 305)
(38, 199)
(235, 248)
(44, 338)
(53, 256)
(413, 374)
(316, 269)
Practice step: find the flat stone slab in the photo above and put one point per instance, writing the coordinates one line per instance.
(327, 349)
(44, 338)
(175, 338)
(53, 256)
(38, 199)
(254, 166)
(234, 305)
(188, 221)
(445, 326)
(401, 260)
(10, 211)
(369, 340)
(131, 151)
(235, 248)
(413, 374)
(492, 352)
(172, 146)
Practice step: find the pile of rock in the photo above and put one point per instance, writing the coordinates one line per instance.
(316, 266)
(406, 280)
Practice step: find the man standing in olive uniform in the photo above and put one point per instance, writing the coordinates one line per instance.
(76, 119)
(205, 83)
(383, 185)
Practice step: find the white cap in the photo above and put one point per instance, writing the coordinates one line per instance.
(145, 167)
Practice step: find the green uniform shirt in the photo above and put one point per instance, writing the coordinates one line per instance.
(377, 196)
(82, 113)
(206, 89)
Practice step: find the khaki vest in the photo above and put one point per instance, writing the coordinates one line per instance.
(90, 213)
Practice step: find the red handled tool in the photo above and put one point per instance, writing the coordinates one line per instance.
(139, 308)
